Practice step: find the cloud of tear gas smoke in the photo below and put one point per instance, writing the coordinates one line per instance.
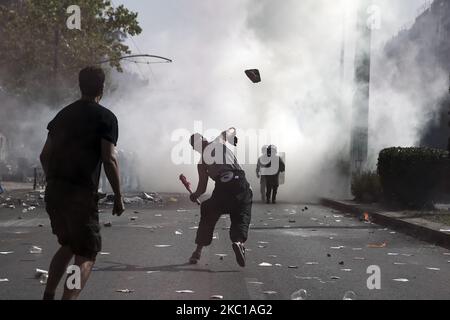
(301, 101)
(302, 105)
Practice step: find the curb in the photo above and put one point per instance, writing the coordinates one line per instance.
(418, 228)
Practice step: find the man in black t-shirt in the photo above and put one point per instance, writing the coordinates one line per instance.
(81, 138)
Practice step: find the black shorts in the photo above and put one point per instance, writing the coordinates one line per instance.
(73, 213)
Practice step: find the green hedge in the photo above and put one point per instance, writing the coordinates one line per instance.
(366, 187)
(412, 176)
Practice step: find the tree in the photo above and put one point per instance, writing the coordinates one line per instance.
(40, 56)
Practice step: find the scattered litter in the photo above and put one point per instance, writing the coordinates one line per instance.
(133, 200)
(182, 210)
(357, 249)
(163, 245)
(312, 263)
(300, 295)
(349, 295)
(346, 270)
(407, 255)
(216, 297)
(104, 253)
(221, 255)
(377, 246)
(400, 280)
(107, 224)
(42, 275)
(215, 236)
(265, 264)
(444, 230)
(178, 232)
(400, 264)
(256, 283)
(146, 196)
(278, 265)
(133, 218)
(341, 263)
(433, 269)
(172, 199)
(273, 256)
(314, 219)
(4, 280)
(193, 228)
(338, 248)
(328, 255)
(335, 278)
(125, 291)
(263, 242)
(185, 291)
(35, 250)
(292, 267)
(393, 254)
(359, 258)
(393, 232)
(292, 221)
(151, 272)
(158, 215)
(270, 292)
(4, 253)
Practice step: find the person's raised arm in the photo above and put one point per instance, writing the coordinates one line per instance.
(45, 155)
(202, 183)
(111, 165)
(228, 136)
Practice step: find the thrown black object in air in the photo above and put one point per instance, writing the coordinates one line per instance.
(254, 75)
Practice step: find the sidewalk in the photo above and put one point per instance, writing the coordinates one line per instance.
(411, 223)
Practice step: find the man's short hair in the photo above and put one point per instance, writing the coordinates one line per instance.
(92, 81)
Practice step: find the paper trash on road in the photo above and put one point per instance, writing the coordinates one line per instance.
(270, 292)
(265, 264)
(178, 232)
(4, 253)
(349, 295)
(300, 295)
(4, 280)
(185, 291)
(125, 291)
(433, 269)
(163, 245)
(400, 280)
(217, 297)
(35, 250)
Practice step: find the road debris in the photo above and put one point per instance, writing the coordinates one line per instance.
(349, 295)
(300, 295)
(163, 245)
(185, 291)
(216, 297)
(265, 264)
(4, 253)
(400, 280)
(35, 250)
(377, 246)
(124, 291)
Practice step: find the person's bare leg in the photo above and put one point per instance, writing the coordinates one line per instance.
(57, 269)
(196, 255)
(85, 266)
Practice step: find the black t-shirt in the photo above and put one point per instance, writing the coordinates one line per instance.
(76, 134)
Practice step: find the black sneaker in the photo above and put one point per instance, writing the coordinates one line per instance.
(195, 257)
(239, 251)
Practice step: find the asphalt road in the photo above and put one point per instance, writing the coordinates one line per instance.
(319, 250)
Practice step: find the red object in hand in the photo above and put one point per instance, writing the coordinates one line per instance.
(187, 185)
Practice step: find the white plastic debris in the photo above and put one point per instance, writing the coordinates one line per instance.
(125, 291)
(433, 269)
(4, 280)
(4, 253)
(163, 245)
(300, 295)
(349, 295)
(35, 250)
(312, 263)
(265, 264)
(270, 292)
(185, 291)
(256, 283)
(217, 297)
(178, 232)
(400, 280)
